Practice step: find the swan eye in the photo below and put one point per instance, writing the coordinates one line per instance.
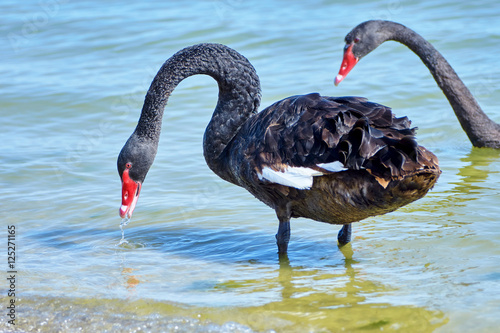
(128, 165)
(356, 40)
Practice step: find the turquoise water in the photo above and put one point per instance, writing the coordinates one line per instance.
(201, 253)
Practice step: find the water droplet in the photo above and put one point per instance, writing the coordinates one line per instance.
(123, 223)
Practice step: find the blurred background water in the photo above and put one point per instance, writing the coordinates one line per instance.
(201, 253)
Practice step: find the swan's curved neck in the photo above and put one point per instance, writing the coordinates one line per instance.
(239, 95)
(480, 129)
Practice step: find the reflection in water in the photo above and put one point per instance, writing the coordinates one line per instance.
(131, 280)
(476, 170)
(335, 294)
(336, 297)
(465, 182)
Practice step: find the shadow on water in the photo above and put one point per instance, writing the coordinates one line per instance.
(240, 244)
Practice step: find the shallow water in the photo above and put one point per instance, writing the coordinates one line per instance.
(200, 253)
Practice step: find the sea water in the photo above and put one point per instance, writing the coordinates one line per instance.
(201, 253)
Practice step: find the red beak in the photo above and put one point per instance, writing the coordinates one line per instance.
(130, 194)
(348, 63)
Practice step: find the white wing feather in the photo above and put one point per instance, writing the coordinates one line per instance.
(298, 177)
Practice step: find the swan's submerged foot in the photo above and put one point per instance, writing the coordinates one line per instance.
(344, 236)
(283, 236)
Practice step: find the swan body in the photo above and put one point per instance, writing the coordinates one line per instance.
(332, 159)
(367, 36)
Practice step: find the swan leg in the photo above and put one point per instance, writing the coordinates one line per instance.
(283, 236)
(344, 235)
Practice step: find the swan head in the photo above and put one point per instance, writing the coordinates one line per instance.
(360, 41)
(134, 161)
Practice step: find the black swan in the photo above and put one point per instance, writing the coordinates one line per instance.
(332, 159)
(367, 36)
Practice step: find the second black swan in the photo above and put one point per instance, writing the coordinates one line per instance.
(367, 36)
